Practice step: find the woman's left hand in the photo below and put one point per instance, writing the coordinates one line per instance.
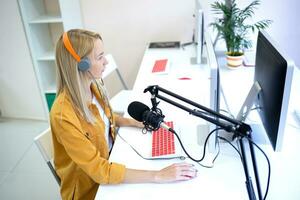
(139, 124)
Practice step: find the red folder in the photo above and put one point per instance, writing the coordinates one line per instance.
(160, 65)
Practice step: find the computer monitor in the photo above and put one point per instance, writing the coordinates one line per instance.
(273, 72)
(199, 31)
(213, 65)
(270, 92)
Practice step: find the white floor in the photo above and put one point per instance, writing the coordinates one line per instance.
(23, 172)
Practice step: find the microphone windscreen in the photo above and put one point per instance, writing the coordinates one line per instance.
(136, 110)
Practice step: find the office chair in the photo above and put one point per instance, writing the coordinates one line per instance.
(44, 143)
(121, 100)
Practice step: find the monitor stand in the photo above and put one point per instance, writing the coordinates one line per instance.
(194, 61)
(247, 105)
(246, 108)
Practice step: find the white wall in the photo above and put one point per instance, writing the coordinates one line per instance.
(286, 24)
(285, 28)
(19, 93)
(127, 26)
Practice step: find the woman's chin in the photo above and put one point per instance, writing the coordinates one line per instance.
(98, 76)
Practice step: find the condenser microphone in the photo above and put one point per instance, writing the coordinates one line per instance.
(152, 119)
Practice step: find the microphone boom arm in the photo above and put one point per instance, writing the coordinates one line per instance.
(237, 127)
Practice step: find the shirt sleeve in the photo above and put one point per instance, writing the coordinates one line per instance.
(116, 118)
(69, 133)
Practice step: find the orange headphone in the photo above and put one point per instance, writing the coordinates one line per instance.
(83, 63)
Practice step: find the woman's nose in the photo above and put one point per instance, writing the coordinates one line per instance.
(105, 61)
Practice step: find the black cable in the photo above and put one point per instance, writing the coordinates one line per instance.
(255, 108)
(186, 44)
(265, 155)
(269, 165)
(213, 161)
(217, 152)
(268, 161)
(177, 157)
(222, 138)
(204, 148)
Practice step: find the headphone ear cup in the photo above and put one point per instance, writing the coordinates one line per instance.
(84, 64)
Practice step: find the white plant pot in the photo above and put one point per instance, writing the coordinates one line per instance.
(234, 61)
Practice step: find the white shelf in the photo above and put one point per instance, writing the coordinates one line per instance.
(44, 22)
(47, 56)
(51, 89)
(46, 19)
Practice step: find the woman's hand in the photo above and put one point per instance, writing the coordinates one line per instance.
(176, 172)
(172, 173)
(135, 123)
(139, 124)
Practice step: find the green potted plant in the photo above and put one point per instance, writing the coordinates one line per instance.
(232, 26)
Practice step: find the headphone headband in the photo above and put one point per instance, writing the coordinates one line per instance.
(84, 63)
(69, 47)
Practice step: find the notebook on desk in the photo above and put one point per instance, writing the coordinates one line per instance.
(161, 66)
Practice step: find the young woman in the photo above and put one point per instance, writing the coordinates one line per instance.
(83, 124)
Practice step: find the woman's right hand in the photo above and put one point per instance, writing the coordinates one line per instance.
(176, 172)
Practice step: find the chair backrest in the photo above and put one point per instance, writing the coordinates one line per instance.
(111, 67)
(44, 143)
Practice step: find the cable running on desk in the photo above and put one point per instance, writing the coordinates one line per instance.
(204, 148)
(179, 157)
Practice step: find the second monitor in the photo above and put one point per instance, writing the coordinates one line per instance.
(270, 92)
(199, 31)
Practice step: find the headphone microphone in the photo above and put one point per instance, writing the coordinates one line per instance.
(83, 64)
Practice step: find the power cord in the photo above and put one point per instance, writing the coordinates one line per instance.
(252, 109)
(213, 161)
(183, 45)
(222, 138)
(204, 148)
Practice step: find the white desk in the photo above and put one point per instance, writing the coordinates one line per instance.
(226, 179)
(180, 67)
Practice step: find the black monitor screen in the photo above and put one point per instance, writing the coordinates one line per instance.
(271, 70)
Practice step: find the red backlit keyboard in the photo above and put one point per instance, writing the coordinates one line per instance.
(163, 141)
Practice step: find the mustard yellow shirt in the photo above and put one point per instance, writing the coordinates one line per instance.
(81, 150)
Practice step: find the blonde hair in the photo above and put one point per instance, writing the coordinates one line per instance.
(68, 77)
